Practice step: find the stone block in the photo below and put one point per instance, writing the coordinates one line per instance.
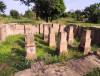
(52, 40)
(62, 44)
(85, 44)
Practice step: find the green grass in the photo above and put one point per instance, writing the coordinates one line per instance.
(95, 47)
(69, 20)
(95, 72)
(12, 55)
(64, 21)
(22, 20)
(49, 55)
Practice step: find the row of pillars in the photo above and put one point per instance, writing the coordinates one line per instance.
(49, 32)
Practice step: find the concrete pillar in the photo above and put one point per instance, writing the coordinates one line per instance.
(30, 44)
(52, 40)
(62, 28)
(56, 27)
(71, 35)
(45, 33)
(85, 44)
(62, 45)
(40, 28)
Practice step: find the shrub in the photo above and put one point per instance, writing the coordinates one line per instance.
(14, 14)
(29, 14)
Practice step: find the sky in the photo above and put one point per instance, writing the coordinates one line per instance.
(70, 5)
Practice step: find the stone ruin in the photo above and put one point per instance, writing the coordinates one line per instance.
(30, 47)
(52, 39)
(70, 35)
(40, 28)
(85, 44)
(45, 32)
(30, 43)
(86, 35)
(66, 37)
(56, 27)
(62, 44)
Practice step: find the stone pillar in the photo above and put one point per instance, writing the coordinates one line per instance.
(56, 27)
(85, 44)
(30, 45)
(62, 44)
(40, 28)
(45, 32)
(52, 40)
(71, 35)
(62, 28)
(3, 33)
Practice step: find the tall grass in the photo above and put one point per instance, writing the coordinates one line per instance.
(49, 55)
(12, 55)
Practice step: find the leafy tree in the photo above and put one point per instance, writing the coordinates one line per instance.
(47, 9)
(78, 14)
(65, 14)
(93, 12)
(14, 14)
(29, 14)
(2, 6)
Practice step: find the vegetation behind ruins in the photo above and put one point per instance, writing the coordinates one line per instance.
(12, 50)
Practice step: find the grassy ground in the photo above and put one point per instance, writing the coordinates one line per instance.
(22, 20)
(64, 21)
(49, 55)
(12, 55)
(73, 21)
(12, 51)
(95, 72)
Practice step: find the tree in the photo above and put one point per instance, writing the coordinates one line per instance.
(47, 9)
(93, 12)
(14, 14)
(2, 6)
(29, 14)
(78, 14)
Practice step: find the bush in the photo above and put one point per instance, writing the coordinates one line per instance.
(14, 14)
(29, 14)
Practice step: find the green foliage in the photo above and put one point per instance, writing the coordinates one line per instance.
(95, 72)
(93, 12)
(47, 9)
(14, 14)
(65, 14)
(78, 14)
(2, 6)
(12, 55)
(29, 14)
(49, 55)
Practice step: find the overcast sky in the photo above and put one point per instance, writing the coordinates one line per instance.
(70, 5)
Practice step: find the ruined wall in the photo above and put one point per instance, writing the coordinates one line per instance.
(13, 29)
(95, 34)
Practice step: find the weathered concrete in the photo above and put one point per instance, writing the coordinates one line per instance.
(40, 28)
(74, 67)
(56, 27)
(71, 35)
(52, 40)
(62, 46)
(30, 44)
(45, 32)
(85, 44)
(62, 28)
